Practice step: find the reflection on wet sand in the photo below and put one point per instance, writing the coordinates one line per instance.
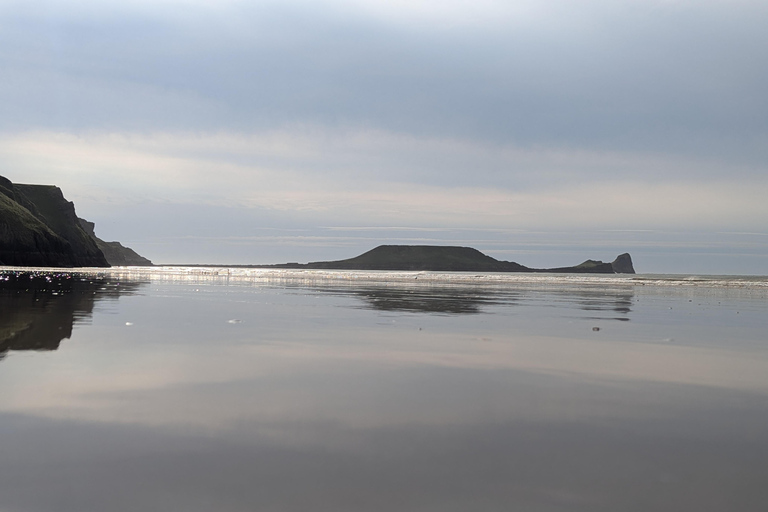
(40, 309)
(430, 300)
(595, 304)
(234, 396)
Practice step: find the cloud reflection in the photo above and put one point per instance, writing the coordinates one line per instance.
(588, 304)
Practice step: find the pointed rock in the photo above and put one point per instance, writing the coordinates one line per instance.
(623, 264)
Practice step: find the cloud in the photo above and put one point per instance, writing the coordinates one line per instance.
(486, 115)
(385, 178)
(645, 76)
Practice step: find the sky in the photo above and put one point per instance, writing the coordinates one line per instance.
(541, 132)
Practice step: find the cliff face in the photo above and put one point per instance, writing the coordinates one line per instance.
(47, 203)
(116, 253)
(39, 228)
(623, 264)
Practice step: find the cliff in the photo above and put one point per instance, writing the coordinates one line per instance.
(448, 258)
(621, 265)
(40, 228)
(48, 204)
(116, 253)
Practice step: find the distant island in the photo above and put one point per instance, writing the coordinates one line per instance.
(451, 259)
(39, 228)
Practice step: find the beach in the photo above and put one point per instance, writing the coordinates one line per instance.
(249, 389)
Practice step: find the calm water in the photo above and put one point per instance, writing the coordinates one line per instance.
(241, 390)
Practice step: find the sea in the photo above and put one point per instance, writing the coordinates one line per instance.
(240, 389)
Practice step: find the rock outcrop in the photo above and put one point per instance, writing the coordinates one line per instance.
(623, 264)
(116, 253)
(47, 203)
(39, 228)
(448, 258)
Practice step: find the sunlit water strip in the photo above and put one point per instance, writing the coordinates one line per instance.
(758, 284)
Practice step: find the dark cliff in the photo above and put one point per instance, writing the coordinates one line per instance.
(40, 228)
(447, 258)
(47, 203)
(621, 265)
(116, 253)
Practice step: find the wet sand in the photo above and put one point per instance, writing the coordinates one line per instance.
(199, 394)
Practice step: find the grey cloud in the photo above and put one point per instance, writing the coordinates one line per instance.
(371, 116)
(219, 235)
(673, 79)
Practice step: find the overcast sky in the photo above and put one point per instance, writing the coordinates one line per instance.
(542, 132)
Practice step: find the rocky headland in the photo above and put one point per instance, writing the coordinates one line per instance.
(453, 259)
(39, 228)
(116, 253)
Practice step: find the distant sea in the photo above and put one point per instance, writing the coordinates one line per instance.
(232, 389)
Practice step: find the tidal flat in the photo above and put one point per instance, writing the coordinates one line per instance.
(216, 389)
